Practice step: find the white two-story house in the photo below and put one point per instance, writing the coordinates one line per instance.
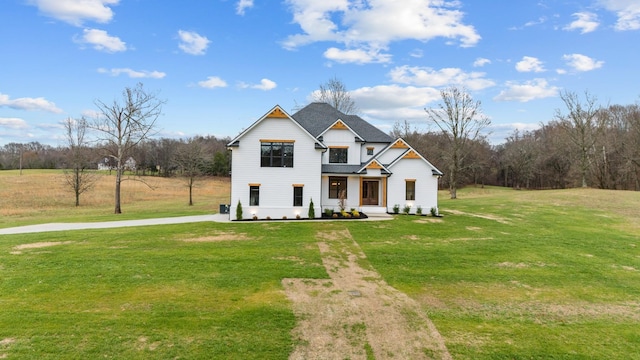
(282, 162)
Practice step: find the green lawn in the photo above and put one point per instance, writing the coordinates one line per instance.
(147, 293)
(504, 275)
(542, 275)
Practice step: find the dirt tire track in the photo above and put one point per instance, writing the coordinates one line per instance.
(356, 314)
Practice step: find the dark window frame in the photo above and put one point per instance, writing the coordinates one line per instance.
(410, 190)
(338, 155)
(254, 195)
(298, 195)
(276, 154)
(340, 185)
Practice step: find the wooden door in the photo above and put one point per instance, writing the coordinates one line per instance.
(370, 190)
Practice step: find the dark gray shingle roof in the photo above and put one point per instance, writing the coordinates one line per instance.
(317, 117)
(340, 169)
(345, 169)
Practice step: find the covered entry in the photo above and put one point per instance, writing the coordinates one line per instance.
(370, 192)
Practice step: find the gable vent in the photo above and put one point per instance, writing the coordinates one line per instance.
(400, 145)
(411, 155)
(277, 113)
(339, 125)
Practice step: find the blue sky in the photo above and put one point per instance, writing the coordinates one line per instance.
(222, 64)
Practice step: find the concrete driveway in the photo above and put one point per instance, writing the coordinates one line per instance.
(113, 224)
(145, 222)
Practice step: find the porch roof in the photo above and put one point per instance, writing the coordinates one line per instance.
(346, 169)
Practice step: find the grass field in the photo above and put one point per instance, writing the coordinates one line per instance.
(503, 275)
(39, 196)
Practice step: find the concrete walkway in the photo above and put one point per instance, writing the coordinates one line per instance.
(144, 222)
(113, 224)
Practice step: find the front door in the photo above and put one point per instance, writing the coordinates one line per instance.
(370, 192)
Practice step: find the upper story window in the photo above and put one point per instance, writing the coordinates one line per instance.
(370, 151)
(276, 153)
(338, 155)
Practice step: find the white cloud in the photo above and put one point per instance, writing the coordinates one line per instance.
(367, 25)
(192, 43)
(500, 132)
(586, 22)
(628, 12)
(425, 76)
(91, 113)
(135, 74)
(13, 123)
(265, 84)
(29, 104)
(102, 41)
(386, 104)
(358, 56)
(212, 82)
(76, 12)
(581, 62)
(540, 20)
(416, 53)
(243, 5)
(530, 64)
(393, 96)
(530, 90)
(480, 62)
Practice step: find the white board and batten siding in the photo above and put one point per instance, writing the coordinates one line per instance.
(426, 186)
(376, 148)
(353, 194)
(276, 183)
(342, 138)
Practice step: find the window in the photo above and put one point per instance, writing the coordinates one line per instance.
(254, 195)
(297, 195)
(337, 185)
(410, 189)
(369, 151)
(276, 154)
(338, 155)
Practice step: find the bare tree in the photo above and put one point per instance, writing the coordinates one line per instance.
(190, 158)
(583, 126)
(78, 175)
(460, 119)
(555, 156)
(123, 124)
(335, 93)
(520, 158)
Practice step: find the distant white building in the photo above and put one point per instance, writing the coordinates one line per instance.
(106, 164)
(130, 164)
(282, 162)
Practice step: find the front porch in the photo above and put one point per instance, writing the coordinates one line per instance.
(365, 194)
(369, 209)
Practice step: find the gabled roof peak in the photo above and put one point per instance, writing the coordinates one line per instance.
(318, 117)
(278, 113)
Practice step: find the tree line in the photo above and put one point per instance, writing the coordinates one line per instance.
(584, 145)
(153, 157)
(123, 141)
